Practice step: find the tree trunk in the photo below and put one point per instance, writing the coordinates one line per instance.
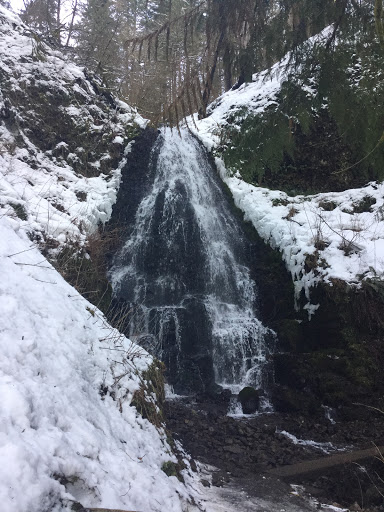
(379, 21)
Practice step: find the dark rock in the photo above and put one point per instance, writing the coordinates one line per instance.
(290, 400)
(233, 449)
(219, 478)
(193, 465)
(250, 400)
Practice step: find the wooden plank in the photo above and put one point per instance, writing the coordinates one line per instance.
(320, 465)
(108, 510)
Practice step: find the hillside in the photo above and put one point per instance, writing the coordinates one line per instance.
(69, 434)
(334, 234)
(300, 149)
(286, 238)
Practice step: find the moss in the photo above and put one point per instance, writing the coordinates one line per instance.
(324, 131)
(20, 211)
(290, 334)
(169, 468)
(342, 344)
(152, 383)
(259, 144)
(172, 469)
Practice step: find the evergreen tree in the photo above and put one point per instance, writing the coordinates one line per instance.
(97, 36)
(44, 17)
(235, 38)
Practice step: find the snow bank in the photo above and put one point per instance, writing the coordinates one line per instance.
(42, 185)
(321, 237)
(324, 231)
(67, 429)
(60, 439)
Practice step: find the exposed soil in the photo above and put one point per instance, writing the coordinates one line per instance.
(246, 450)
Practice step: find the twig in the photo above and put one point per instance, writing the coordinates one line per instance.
(32, 265)
(21, 252)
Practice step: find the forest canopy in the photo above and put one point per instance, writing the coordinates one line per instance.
(172, 57)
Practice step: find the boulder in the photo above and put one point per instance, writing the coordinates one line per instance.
(250, 400)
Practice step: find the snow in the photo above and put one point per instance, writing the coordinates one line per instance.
(59, 438)
(346, 245)
(44, 185)
(324, 447)
(67, 429)
(340, 244)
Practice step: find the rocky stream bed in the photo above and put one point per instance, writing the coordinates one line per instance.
(245, 452)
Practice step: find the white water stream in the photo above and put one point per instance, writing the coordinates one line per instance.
(186, 244)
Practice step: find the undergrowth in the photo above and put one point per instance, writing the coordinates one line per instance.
(85, 266)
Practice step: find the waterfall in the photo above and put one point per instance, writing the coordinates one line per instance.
(184, 271)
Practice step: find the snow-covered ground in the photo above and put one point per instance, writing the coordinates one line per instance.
(60, 439)
(67, 429)
(43, 186)
(322, 237)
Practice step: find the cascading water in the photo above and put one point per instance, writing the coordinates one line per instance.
(183, 271)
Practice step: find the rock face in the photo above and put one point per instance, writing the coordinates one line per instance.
(184, 270)
(338, 358)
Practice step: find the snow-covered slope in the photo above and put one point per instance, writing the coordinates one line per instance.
(62, 138)
(60, 439)
(67, 430)
(335, 235)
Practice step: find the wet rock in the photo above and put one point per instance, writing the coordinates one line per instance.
(286, 399)
(250, 400)
(233, 449)
(193, 465)
(219, 478)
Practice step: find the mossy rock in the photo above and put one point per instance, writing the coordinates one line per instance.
(152, 383)
(290, 334)
(172, 469)
(169, 468)
(289, 400)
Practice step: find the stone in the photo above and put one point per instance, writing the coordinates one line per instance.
(193, 465)
(250, 400)
(233, 449)
(286, 399)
